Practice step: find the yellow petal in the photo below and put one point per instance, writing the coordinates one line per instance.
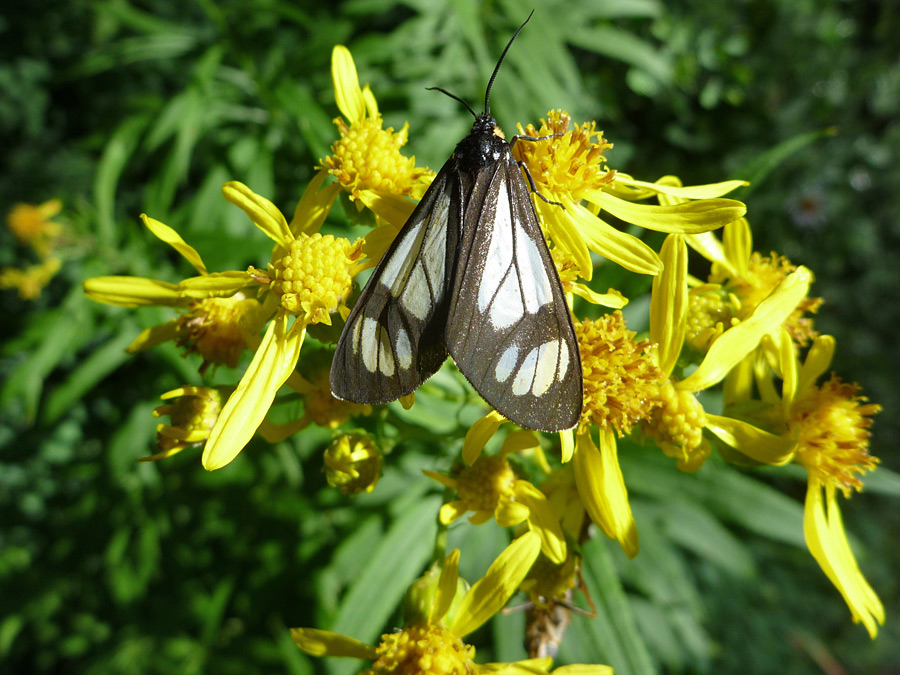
(751, 441)
(446, 589)
(132, 291)
(347, 94)
(669, 303)
(325, 643)
(444, 480)
(619, 247)
(215, 285)
(818, 360)
(567, 445)
(542, 520)
(153, 336)
(395, 209)
(507, 514)
(498, 585)
(737, 240)
(371, 103)
(667, 186)
(173, 239)
(707, 245)
(735, 343)
(583, 669)
(557, 227)
(451, 511)
(273, 362)
(602, 489)
(612, 298)
(684, 218)
(519, 440)
(264, 214)
(827, 541)
(314, 205)
(479, 434)
(527, 667)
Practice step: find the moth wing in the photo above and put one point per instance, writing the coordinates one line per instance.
(509, 329)
(393, 338)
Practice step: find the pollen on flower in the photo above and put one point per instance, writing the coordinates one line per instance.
(219, 329)
(568, 164)
(484, 484)
(831, 423)
(367, 157)
(677, 425)
(620, 378)
(708, 316)
(764, 273)
(422, 649)
(315, 276)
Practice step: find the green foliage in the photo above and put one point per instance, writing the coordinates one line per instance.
(117, 108)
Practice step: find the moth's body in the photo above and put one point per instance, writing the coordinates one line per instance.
(468, 275)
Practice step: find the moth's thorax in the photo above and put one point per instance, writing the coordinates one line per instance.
(483, 146)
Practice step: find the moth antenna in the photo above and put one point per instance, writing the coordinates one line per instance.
(487, 92)
(455, 98)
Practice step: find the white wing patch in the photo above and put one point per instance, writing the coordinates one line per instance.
(500, 251)
(416, 296)
(536, 289)
(404, 349)
(539, 369)
(507, 363)
(397, 269)
(376, 347)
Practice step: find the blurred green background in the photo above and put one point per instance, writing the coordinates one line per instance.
(119, 108)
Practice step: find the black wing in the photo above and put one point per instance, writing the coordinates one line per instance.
(509, 328)
(393, 339)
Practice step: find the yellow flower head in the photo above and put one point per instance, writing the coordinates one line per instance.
(321, 407)
(192, 413)
(314, 277)
(621, 379)
(425, 649)
(710, 313)
(763, 275)
(32, 225)
(218, 329)
(367, 157)
(485, 487)
(571, 163)
(831, 424)
(677, 425)
(32, 280)
(353, 464)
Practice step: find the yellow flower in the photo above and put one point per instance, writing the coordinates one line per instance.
(367, 161)
(678, 423)
(490, 488)
(320, 406)
(571, 169)
(739, 280)
(193, 412)
(32, 280)
(827, 429)
(307, 280)
(32, 225)
(353, 464)
(440, 612)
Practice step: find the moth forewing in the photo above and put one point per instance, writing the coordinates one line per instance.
(393, 338)
(509, 329)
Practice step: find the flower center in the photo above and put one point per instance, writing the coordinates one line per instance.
(677, 424)
(481, 486)
(832, 423)
(192, 414)
(314, 277)
(708, 316)
(568, 164)
(620, 378)
(367, 157)
(353, 464)
(422, 650)
(219, 328)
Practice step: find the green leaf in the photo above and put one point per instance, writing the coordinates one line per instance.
(756, 171)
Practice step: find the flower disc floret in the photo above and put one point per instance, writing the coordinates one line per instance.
(215, 329)
(422, 650)
(482, 486)
(314, 277)
(677, 424)
(708, 315)
(620, 377)
(367, 157)
(570, 163)
(831, 423)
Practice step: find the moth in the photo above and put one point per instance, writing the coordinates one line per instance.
(468, 275)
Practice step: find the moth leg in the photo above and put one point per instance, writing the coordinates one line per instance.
(522, 165)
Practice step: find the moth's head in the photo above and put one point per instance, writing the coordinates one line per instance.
(486, 125)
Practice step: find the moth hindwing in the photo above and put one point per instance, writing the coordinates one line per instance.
(469, 274)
